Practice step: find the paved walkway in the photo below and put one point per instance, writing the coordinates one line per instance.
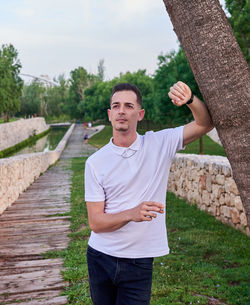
(76, 146)
(35, 224)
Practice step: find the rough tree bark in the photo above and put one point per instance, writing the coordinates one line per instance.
(223, 77)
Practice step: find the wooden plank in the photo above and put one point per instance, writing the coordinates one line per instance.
(21, 257)
(46, 181)
(30, 296)
(48, 188)
(41, 244)
(32, 230)
(8, 267)
(43, 210)
(5, 222)
(33, 225)
(44, 200)
(45, 190)
(34, 213)
(39, 205)
(53, 196)
(18, 226)
(31, 281)
(14, 251)
(34, 217)
(20, 271)
(21, 241)
(36, 241)
(54, 301)
(35, 236)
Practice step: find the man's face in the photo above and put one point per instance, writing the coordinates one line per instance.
(125, 111)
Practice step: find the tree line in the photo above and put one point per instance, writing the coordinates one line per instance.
(85, 96)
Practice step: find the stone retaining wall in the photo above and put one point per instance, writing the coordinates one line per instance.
(208, 182)
(19, 172)
(18, 131)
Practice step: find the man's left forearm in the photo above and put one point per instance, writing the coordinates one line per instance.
(202, 122)
(180, 94)
(201, 114)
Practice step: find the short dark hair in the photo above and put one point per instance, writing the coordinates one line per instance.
(128, 87)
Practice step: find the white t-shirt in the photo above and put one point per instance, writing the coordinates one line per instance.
(124, 177)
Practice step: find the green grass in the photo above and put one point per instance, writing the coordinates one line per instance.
(209, 146)
(75, 259)
(101, 138)
(28, 142)
(58, 119)
(208, 259)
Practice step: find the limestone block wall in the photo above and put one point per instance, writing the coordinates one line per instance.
(19, 172)
(18, 131)
(208, 182)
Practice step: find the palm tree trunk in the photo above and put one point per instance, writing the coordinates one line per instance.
(223, 77)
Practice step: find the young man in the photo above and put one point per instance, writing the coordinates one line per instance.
(125, 191)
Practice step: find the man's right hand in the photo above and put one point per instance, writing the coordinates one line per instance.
(100, 222)
(146, 211)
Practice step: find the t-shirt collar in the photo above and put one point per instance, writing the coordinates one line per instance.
(127, 152)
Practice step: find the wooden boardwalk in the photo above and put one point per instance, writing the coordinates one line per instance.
(33, 225)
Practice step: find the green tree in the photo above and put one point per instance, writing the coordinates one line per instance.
(57, 97)
(96, 101)
(79, 82)
(97, 97)
(101, 70)
(172, 67)
(32, 98)
(239, 20)
(146, 86)
(10, 82)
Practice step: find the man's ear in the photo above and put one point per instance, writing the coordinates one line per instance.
(109, 114)
(141, 114)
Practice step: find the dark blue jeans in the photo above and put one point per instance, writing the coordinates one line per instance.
(119, 281)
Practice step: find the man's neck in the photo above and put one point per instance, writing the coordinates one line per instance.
(123, 138)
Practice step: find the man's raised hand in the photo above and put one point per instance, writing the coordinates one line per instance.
(180, 93)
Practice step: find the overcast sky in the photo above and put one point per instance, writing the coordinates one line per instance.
(56, 36)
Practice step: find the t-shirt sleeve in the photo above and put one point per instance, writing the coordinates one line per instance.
(178, 138)
(171, 140)
(93, 189)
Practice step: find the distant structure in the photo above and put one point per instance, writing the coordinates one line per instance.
(43, 79)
